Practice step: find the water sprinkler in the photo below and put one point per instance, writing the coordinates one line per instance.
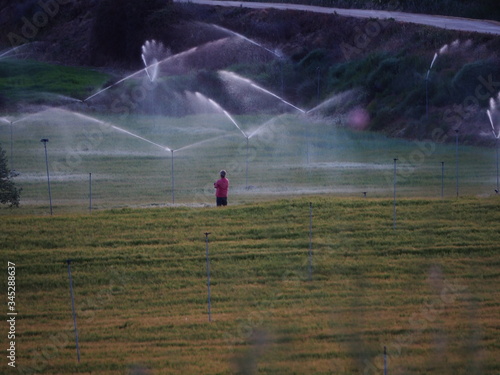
(44, 141)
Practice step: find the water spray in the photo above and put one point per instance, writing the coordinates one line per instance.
(114, 84)
(249, 82)
(146, 65)
(248, 40)
(277, 97)
(100, 122)
(427, 87)
(495, 134)
(13, 49)
(444, 49)
(217, 105)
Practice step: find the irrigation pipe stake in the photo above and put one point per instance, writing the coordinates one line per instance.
(90, 192)
(310, 240)
(498, 181)
(73, 309)
(44, 141)
(11, 147)
(208, 277)
(456, 158)
(385, 360)
(246, 170)
(173, 181)
(394, 204)
(442, 179)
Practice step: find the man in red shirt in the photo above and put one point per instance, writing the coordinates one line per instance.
(221, 186)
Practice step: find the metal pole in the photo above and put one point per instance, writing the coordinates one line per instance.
(208, 277)
(73, 309)
(427, 96)
(394, 205)
(44, 141)
(90, 192)
(282, 78)
(498, 187)
(442, 179)
(246, 172)
(173, 181)
(11, 147)
(456, 160)
(385, 360)
(310, 241)
(318, 71)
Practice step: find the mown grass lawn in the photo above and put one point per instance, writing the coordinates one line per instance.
(426, 290)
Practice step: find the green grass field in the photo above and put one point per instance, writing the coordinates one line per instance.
(287, 156)
(427, 290)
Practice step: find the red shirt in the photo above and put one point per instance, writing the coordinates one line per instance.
(221, 187)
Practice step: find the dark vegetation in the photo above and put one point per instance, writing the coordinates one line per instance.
(9, 192)
(325, 55)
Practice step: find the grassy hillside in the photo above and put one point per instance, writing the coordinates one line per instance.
(33, 82)
(426, 290)
(321, 57)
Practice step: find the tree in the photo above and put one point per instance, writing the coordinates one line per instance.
(9, 193)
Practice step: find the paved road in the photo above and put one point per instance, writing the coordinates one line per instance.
(444, 22)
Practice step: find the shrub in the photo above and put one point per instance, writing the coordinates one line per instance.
(9, 193)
